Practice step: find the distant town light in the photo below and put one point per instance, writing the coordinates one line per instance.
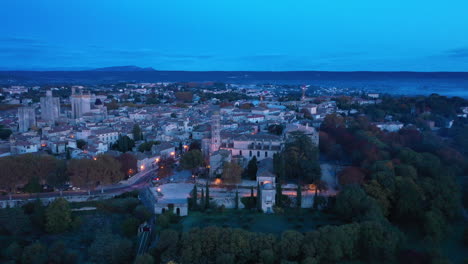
(94, 158)
(218, 181)
(142, 167)
(185, 147)
(159, 189)
(157, 159)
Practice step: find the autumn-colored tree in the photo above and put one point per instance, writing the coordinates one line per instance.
(351, 175)
(128, 164)
(231, 173)
(165, 167)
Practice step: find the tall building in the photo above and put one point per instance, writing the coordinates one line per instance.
(215, 133)
(80, 103)
(26, 118)
(50, 108)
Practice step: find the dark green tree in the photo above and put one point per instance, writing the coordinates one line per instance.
(207, 195)
(58, 216)
(130, 226)
(110, 248)
(299, 196)
(123, 144)
(192, 159)
(252, 168)
(35, 253)
(202, 199)
(137, 133)
(194, 197)
(236, 200)
(80, 143)
(279, 195)
(144, 259)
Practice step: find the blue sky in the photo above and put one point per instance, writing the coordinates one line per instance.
(332, 35)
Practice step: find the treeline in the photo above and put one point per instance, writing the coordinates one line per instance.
(408, 176)
(370, 241)
(31, 172)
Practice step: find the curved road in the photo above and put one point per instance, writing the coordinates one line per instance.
(142, 180)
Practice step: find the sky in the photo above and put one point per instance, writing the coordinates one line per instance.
(230, 35)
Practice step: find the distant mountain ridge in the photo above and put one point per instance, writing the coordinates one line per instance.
(128, 68)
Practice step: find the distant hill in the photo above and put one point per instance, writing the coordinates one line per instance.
(129, 68)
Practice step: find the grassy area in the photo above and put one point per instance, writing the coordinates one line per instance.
(303, 221)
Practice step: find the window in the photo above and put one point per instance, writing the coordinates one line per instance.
(266, 154)
(250, 153)
(240, 152)
(258, 154)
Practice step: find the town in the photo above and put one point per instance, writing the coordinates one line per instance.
(205, 154)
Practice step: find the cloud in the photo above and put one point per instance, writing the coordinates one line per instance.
(458, 53)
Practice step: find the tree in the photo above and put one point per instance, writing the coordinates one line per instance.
(146, 146)
(13, 221)
(279, 194)
(276, 129)
(252, 168)
(202, 199)
(259, 198)
(13, 252)
(137, 134)
(299, 196)
(300, 159)
(58, 216)
(59, 177)
(165, 167)
(236, 200)
(290, 244)
(35, 253)
(434, 225)
(82, 173)
(130, 227)
(80, 143)
(128, 164)
(5, 133)
(192, 159)
(123, 144)
(144, 259)
(408, 200)
(68, 154)
(207, 196)
(58, 253)
(231, 173)
(351, 175)
(110, 248)
(352, 204)
(107, 170)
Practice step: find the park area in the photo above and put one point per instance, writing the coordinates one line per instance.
(291, 219)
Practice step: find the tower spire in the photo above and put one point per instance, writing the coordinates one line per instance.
(215, 132)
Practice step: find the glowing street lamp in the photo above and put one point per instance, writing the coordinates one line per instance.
(172, 153)
(142, 167)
